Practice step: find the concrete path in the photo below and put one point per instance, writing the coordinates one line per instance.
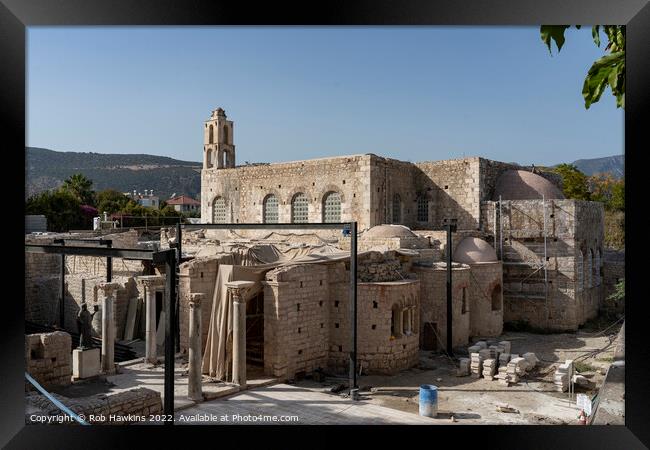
(283, 404)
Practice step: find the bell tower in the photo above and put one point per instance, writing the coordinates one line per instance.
(218, 148)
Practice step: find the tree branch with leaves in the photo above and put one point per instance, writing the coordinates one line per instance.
(608, 70)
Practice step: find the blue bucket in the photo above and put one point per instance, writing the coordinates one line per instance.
(428, 400)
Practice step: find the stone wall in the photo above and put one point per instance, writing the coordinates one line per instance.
(122, 406)
(433, 302)
(613, 272)
(486, 299)
(453, 188)
(48, 358)
(552, 283)
(379, 348)
(297, 313)
(244, 188)
(196, 276)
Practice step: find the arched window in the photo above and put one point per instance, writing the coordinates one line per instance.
(396, 322)
(597, 269)
(299, 208)
(464, 301)
(270, 209)
(332, 207)
(588, 269)
(208, 158)
(496, 298)
(580, 276)
(219, 210)
(397, 208)
(211, 135)
(423, 208)
(406, 321)
(225, 134)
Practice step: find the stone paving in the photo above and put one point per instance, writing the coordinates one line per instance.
(275, 405)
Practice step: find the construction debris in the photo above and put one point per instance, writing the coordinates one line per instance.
(506, 408)
(562, 375)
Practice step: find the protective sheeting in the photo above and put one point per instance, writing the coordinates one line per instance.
(217, 359)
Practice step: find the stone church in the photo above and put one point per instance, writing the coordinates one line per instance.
(551, 247)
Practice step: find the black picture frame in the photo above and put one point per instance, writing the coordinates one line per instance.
(16, 15)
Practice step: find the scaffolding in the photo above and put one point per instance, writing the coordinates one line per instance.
(535, 263)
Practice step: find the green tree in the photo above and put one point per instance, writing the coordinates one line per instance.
(111, 201)
(618, 196)
(80, 187)
(574, 182)
(61, 208)
(608, 70)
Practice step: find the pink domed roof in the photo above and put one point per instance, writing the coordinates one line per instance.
(472, 250)
(524, 185)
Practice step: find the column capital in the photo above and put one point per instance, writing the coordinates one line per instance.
(239, 288)
(151, 280)
(196, 298)
(109, 288)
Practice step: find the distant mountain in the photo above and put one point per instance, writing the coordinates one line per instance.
(46, 169)
(614, 165)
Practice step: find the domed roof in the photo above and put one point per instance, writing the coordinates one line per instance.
(472, 250)
(524, 185)
(388, 231)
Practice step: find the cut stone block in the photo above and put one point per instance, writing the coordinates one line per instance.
(85, 363)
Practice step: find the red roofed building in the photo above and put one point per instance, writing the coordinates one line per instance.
(183, 204)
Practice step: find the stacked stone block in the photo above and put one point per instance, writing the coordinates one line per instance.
(48, 358)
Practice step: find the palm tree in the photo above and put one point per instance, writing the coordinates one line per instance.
(81, 187)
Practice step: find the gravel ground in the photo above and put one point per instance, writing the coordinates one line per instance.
(473, 401)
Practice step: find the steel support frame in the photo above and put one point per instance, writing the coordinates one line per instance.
(167, 257)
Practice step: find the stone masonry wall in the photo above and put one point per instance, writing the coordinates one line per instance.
(486, 280)
(48, 358)
(563, 296)
(296, 325)
(433, 301)
(245, 187)
(116, 409)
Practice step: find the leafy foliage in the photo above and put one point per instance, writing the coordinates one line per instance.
(61, 208)
(608, 70)
(111, 201)
(574, 182)
(80, 187)
(619, 292)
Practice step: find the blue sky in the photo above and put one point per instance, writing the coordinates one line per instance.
(416, 94)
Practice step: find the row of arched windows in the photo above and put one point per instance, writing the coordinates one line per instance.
(331, 208)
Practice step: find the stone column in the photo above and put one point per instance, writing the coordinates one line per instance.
(108, 326)
(194, 387)
(150, 283)
(238, 289)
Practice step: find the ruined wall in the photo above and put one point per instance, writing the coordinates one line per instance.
(296, 325)
(613, 272)
(379, 350)
(196, 276)
(486, 299)
(245, 187)
(433, 301)
(125, 405)
(48, 358)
